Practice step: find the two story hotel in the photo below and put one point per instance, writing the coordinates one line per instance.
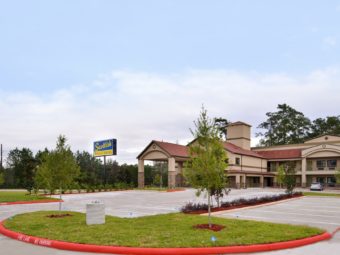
(316, 160)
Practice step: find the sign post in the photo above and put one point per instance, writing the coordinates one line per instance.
(105, 148)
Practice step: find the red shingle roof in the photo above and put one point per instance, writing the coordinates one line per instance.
(178, 150)
(281, 154)
(174, 149)
(238, 150)
(182, 151)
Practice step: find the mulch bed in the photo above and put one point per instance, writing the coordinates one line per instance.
(214, 227)
(218, 209)
(59, 215)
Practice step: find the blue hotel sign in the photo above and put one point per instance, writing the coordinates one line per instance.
(105, 148)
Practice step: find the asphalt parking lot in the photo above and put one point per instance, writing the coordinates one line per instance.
(322, 212)
(314, 211)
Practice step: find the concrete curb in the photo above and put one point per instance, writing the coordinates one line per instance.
(43, 201)
(161, 251)
(253, 206)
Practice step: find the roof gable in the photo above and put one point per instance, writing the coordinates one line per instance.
(172, 149)
(324, 138)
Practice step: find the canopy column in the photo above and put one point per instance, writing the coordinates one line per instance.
(171, 173)
(140, 173)
(303, 173)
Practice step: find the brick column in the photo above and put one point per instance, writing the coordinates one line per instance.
(237, 181)
(303, 173)
(171, 173)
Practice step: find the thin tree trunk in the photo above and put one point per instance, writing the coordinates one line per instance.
(209, 210)
(60, 199)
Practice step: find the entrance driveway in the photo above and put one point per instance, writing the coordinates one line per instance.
(140, 203)
(322, 212)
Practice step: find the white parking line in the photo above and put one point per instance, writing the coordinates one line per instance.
(306, 205)
(312, 204)
(313, 210)
(303, 214)
(271, 219)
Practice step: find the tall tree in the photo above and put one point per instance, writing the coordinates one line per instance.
(205, 169)
(58, 169)
(221, 125)
(90, 169)
(323, 126)
(22, 163)
(128, 174)
(2, 178)
(285, 126)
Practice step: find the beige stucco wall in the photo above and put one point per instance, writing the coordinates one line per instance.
(155, 155)
(324, 154)
(154, 152)
(332, 140)
(246, 163)
(239, 135)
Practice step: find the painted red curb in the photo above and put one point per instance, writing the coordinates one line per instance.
(43, 201)
(161, 251)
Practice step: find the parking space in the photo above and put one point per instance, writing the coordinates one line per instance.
(320, 212)
(313, 211)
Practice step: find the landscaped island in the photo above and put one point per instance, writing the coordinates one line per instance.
(20, 196)
(167, 230)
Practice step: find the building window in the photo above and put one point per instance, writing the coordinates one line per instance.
(273, 167)
(237, 161)
(320, 164)
(309, 165)
(331, 181)
(331, 164)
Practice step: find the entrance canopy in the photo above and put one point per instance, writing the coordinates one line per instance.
(175, 154)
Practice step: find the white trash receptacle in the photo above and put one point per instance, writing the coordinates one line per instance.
(95, 213)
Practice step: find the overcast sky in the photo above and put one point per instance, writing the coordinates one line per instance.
(140, 70)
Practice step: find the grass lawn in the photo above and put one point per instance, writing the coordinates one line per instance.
(167, 230)
(15, 196)
(320, 193)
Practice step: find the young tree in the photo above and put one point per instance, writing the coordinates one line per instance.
(280, 176)
(58, 169)
(205, 169)
(286, 126)
(286, 174)
(337, 176)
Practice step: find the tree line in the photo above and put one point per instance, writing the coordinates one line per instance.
(63, 169)
(24, 169)
(288, 126)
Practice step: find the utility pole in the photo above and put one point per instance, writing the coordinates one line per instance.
(105, 180)
(0, 156)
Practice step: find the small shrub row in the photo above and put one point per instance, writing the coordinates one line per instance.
(80, 188)
(192, 207)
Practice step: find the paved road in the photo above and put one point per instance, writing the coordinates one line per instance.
(140, 203)
(322, 212)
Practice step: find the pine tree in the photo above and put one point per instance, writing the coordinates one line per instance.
(205, 169)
